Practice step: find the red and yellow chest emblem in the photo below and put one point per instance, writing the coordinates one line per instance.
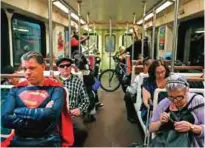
(33, 98)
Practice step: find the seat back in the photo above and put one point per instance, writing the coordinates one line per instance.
(5, 132)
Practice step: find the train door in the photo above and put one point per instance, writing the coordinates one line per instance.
(5, 50)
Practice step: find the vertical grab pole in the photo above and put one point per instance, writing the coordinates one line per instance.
(88, 24)
(79, 25)
(126, 35)
(143, 29)
(153, 33)
(133, 44)
(69, 25)
(175, 34)
(110, 42)
(50, 36)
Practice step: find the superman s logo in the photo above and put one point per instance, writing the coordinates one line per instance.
(33, 98)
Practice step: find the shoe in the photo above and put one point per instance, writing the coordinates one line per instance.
(89, 118)
(132, 120)
(99, 104)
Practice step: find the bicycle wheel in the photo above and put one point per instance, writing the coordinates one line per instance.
(109, 80)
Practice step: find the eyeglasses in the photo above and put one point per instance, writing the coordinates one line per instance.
(64, 65)
(177, 98)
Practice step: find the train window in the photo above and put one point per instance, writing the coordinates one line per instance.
(93, 40)
(127, 40)
(27, 36)
(5, 52)
(110, 43)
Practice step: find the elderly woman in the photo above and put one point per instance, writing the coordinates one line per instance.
(179, 99)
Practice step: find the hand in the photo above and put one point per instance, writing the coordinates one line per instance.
(75, 112)
(164, 117)
(182, 126)
(50, 104)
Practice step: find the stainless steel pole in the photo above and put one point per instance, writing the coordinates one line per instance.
(88, 21)
(110, 42)
(69, 25)
(50, 36)
(143, 29)
(79, 25)
(126, 35)
(133, 41)
(175, 34)
(153, 33)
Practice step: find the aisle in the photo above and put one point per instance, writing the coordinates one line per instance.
(112, 128)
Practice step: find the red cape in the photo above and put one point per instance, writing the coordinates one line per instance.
(65, 126)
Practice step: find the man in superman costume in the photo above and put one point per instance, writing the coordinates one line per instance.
(36, 109)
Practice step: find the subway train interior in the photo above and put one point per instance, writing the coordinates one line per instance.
(125, 47)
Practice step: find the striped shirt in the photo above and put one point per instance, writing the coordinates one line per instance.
(78, 97)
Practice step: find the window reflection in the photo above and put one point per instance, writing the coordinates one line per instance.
(127, 40)
(26, 37)
(110, 43)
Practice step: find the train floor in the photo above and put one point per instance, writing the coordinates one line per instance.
(111, 129)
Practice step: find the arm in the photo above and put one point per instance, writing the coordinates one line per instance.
(9, 119)
(159, 116)
(146, 96)
(84, 100)
(57, 97)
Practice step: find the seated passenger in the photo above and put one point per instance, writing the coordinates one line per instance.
(158, 72)
(9, 81)
(178, 101)
(131, 92)
(78, 98)
(36, 109)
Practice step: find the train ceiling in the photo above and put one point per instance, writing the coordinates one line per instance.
(120, 11)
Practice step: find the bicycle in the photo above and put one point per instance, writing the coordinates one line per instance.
(115, 77)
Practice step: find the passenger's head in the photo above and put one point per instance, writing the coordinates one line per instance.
(10, 70)
(146, 64)
(33, 65)
(64, 66)
(158, 70)
(122, 49)
(177, 88)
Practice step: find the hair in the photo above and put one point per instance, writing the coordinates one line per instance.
(146, 60)
(176, 81)
(154, 65)
(32, 54)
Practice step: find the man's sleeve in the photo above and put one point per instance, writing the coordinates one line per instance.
(84, 99)
(57, 97)
(8, 118)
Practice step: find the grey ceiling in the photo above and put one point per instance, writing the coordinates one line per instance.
(120, 11)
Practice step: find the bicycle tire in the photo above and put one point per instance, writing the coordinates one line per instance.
(104, 73)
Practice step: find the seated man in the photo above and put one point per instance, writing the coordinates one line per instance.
(36, 108)
(182, 112)
(78, 98)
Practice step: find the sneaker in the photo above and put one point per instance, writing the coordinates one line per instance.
(99, 104)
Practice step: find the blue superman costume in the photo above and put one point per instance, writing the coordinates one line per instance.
(25, 111)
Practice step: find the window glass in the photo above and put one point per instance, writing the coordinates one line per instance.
(110, 43)
(127, 40)
(26, 37)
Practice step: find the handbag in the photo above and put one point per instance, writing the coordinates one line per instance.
(96, 85)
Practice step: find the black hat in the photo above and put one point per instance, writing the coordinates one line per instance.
(8, 70)
(59, 60)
